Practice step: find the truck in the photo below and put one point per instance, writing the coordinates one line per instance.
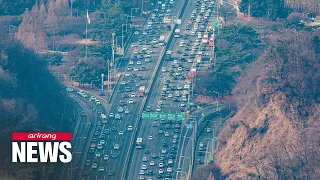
(142, 90)
(198, 58)
(139, 143)
(177, 33)
(161, 40)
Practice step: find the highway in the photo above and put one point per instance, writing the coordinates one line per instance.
(114, 166)
(109, 151)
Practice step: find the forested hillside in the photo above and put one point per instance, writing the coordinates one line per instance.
(31, 99)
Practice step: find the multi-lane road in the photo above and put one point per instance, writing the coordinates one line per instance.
(106, 150)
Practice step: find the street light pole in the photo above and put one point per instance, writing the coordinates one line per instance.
(131, 12)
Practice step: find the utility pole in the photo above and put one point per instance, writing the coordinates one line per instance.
(113, 53)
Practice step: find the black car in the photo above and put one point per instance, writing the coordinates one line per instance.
(147, 151)
(86, 173)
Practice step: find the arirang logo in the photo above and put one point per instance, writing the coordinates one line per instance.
(41, 147)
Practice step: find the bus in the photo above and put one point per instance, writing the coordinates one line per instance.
(177, 33)
(162, 40)
(103, 118)
(139, 143)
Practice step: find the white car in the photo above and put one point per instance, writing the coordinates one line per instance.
(160, 171)
(163, 69)
(123, 82)
(101, 169)
(120, 133)
(131, 62)
(139, 63)
(133, 95)
(158, 110)
(144, 159)
(99, 146)
(175, 61)
(111, 115)
(136, 32)
(106, 157)
(169, 169)
(102, 141)
(151, 163)
(130, 101)
(94, 166)
(144, 167)
(133, 45)
(161, 164)
(150, 138)
(163, 151)
(166, 134)
(127, 74)
(127, 111)
(135, 69)
(116, 146)
(141, 172)
(130, 128)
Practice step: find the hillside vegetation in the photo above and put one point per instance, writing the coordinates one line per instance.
(275, 133)
(31, 99)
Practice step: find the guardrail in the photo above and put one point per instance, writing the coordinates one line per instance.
(137, 123)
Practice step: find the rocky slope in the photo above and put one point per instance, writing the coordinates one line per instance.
(274, 134)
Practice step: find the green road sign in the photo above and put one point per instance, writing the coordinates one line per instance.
(153, 116)
(216, 23)
(163, 116)
(145, 115)
(171, 117)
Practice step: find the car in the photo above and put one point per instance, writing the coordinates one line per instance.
(116, 146)
(88, 163)
(120, 133)
(110, 173)
(118, 116)
(106, 157)
(161, 171)
(163, 151)
(138, 62)
(144, 159)
(111, 115)
(151, 163)
(147, 151)
(91, 150)
(86, 173)
(154, 155)
(144, 167)
(127, 74)
(114, 155)
(135, 69)
(133, 95)
(160, 165)
(120, 109)
(94, 166)
(208, 130)
(127, 111)
(166, 134)
(169, 169)
(136, 32)
(141, 177)
(160, 131)
(102, 141)
(99, 146)
(130, 128)
(101, 169)
(174, 141)
(164, 144)
(98, 154)
(130, 101)
(163, 69)
(170, 161)
(150, 138)
(158, 109)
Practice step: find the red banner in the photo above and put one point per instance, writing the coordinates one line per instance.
(41, 136)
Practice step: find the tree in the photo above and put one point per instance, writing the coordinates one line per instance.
(227, 12)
